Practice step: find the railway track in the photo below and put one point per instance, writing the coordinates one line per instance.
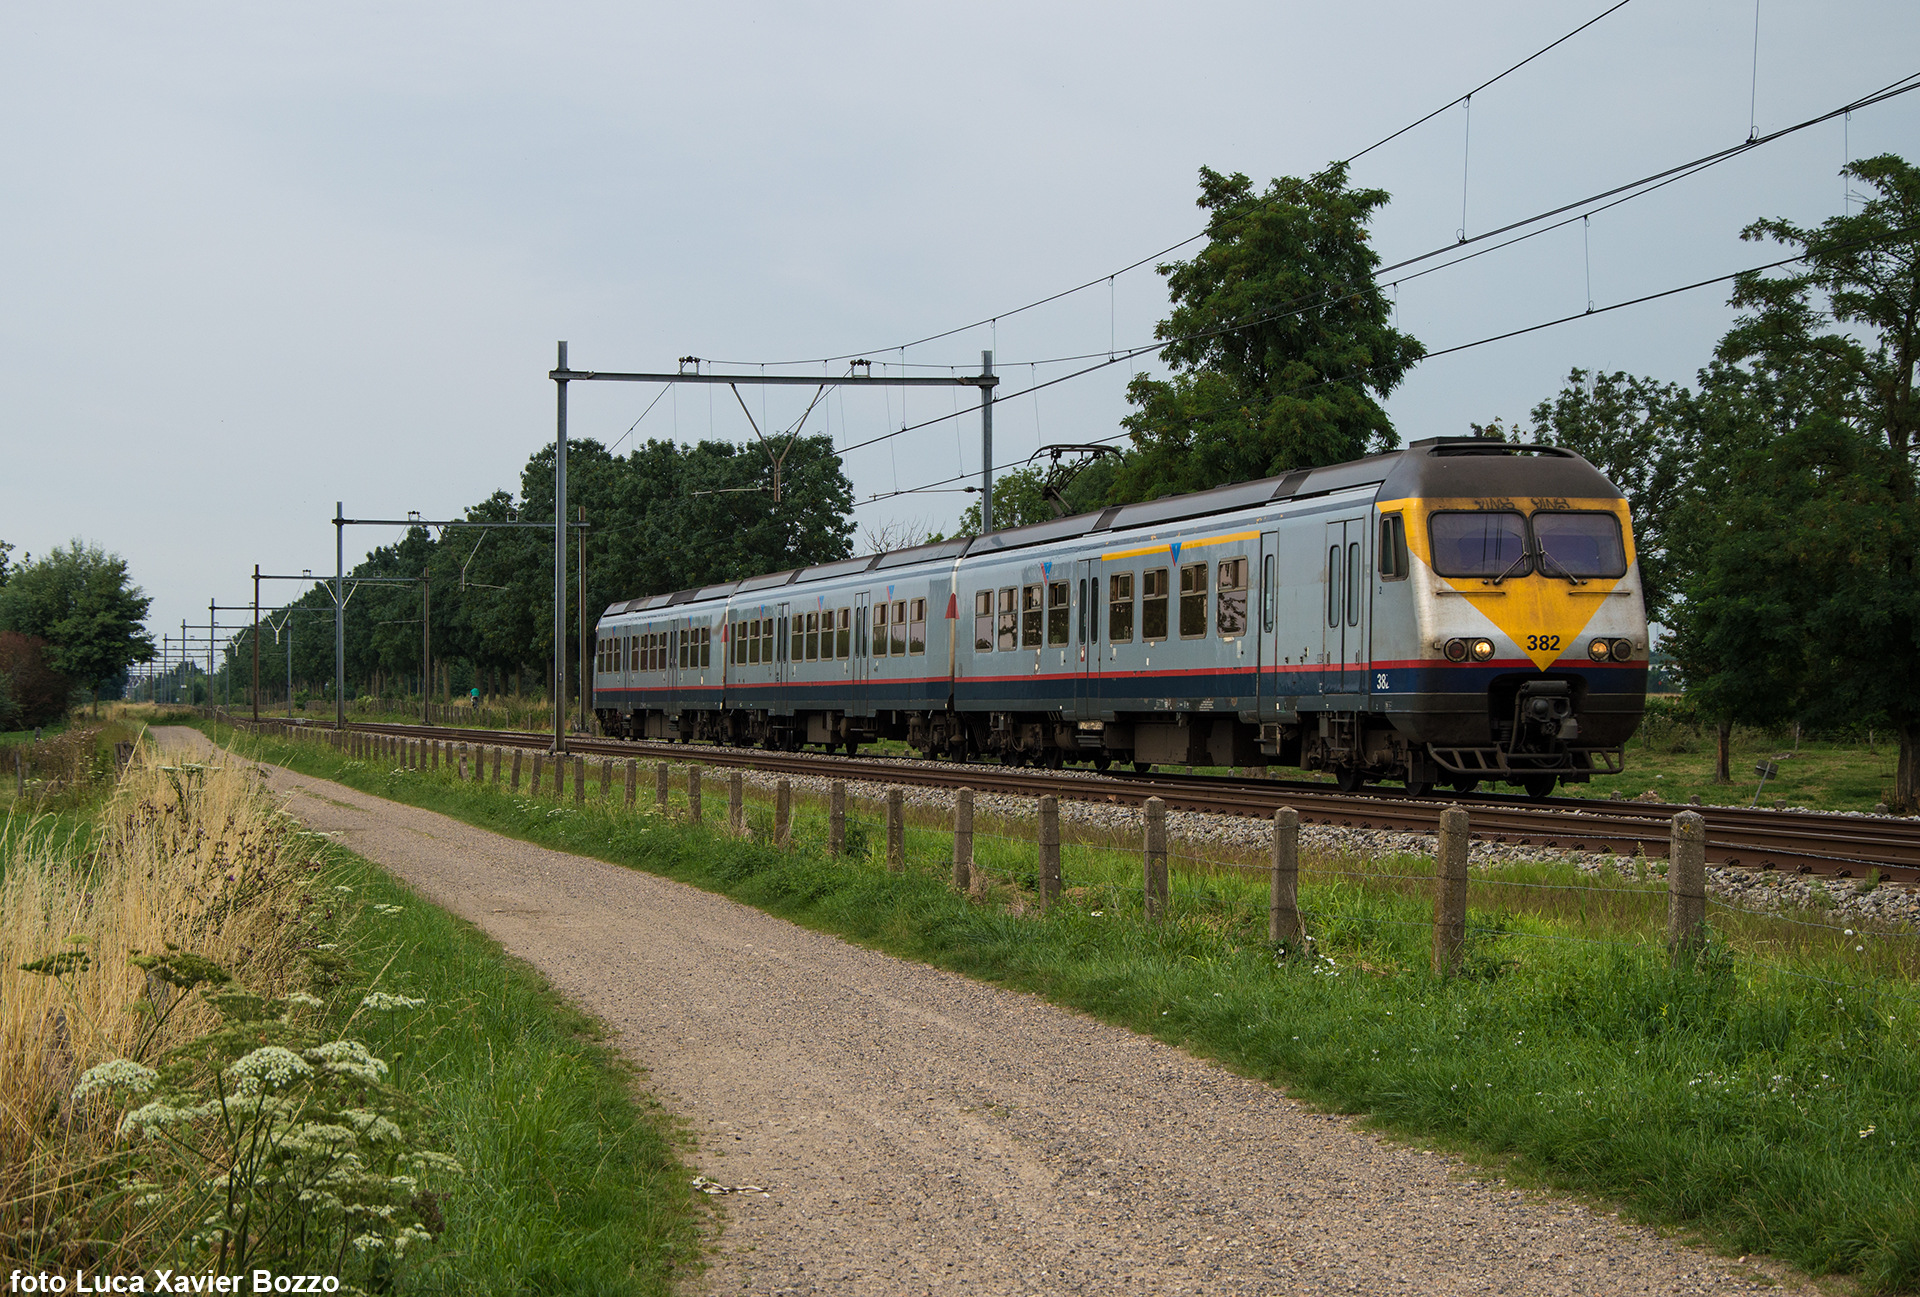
(1819, 843)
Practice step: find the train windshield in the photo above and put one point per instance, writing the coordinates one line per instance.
(1581, 544)
(1491, 544)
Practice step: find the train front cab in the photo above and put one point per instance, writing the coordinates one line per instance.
(1510, 630)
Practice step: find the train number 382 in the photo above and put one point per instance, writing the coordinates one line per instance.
(1542, 643)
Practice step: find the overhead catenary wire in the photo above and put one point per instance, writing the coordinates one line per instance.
(1096, 281)
(1432, 355)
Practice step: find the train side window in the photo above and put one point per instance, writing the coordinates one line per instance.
(753, 641)
(1394, 564)
(1032, 613)
(797, 627)
(1333, 586)
(682, 648)
(1193, 600)
(1356, 582)
(766, 639)
(1153, 604)
(1120, 608)
(983, 621)
(843, 639)
(880, 630)
(1266, 593)
(813, 637)
(633, 653)
(897, 637)
(917, 626)
(706, 646)
(1092, 600)
(1056, 612)
(1230, 603)
(1007, 627)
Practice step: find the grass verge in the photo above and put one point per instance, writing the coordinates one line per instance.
(1766, 1105)
(252, 941)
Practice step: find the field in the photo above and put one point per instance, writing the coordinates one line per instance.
(1758, 1095)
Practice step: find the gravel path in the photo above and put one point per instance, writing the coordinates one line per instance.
(907, 1131)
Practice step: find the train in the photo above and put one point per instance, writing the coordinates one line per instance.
(1460, 611)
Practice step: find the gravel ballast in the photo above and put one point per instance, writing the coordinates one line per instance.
(895, 1129)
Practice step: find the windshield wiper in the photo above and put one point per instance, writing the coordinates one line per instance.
(1524, 556)
(1546, 558)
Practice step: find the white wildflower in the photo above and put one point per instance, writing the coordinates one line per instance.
(121, 1073)
(303, 1000)
(373, 1126)
(348, 1058)
(426, 1159)
(270, 1065)
(381, 1000)
(368, 1243)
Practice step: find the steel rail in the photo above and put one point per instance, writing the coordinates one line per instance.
(1803, 842)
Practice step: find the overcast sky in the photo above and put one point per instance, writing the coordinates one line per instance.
(258, 258)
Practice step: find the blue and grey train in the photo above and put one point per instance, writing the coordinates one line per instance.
(1459, 611)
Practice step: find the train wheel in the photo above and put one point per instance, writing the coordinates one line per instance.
(1419, 787)
(1465, 785)
(1350, 779)
(1141, 767)
(1102, 761)
(1539, 786)
(853, 748)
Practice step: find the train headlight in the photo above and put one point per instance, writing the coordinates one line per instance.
(1456, 650)
(1623, 650)
(1482, 650)
(1599, 650)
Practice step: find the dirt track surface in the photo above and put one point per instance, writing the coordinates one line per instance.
(915, 1132)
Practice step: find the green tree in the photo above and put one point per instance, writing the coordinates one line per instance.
(1281, 341)
(1017, 501)
(6, 552)
(1819, 499)
(81, 602)
(1642, 434)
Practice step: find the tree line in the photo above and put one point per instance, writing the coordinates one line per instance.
(70, 624)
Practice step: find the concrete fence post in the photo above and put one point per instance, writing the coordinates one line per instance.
(782, 811)
(896, 830)
(1283, 903)
(660, 793)
(837, 818)
(1687, 886)
(1450, 892)
(694, 811)
(633, 781)
(736, 803)
(579, 781)
(515, 785)
(963, 840)
(1049, 851)
(1156, 859)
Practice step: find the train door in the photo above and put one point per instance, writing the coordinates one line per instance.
(862, 660)
(1266, 579)
(1344, 655)
(782, 661)
(675, 637)
(1086, 627)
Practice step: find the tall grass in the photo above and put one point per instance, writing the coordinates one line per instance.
(180, 855)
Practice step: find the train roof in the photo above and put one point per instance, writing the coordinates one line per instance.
(1435, 466)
